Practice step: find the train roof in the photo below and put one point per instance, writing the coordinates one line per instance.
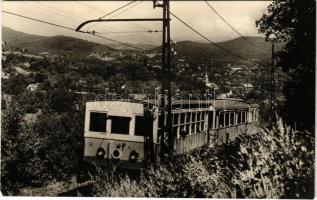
(218, 104)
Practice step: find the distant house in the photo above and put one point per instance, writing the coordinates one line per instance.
(157, 66)
(45, 53)
(32, 87)
(32, 117)
(26, 64)
(234, 69)
(5, 75)
(21, 71)
(151, 55)
(248, 87)
(138, 96)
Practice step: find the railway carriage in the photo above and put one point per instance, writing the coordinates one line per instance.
(127, 134)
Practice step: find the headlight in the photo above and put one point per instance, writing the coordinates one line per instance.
(100, 153)
(133, 156)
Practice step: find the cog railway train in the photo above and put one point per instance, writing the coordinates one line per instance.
(127, 134)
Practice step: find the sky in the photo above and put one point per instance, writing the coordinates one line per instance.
(240, 14)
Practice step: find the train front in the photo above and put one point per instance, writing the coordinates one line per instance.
(118, 134)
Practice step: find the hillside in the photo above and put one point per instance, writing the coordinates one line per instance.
(189, 49)
(238, 46)
(55, 44)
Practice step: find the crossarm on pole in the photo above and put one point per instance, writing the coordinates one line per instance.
(117, 20)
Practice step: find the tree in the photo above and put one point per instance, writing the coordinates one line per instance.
(294, 22)
(15, 84)
(61, 100)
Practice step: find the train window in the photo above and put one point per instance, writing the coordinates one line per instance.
(254, 115)
(98, 122)
(194, 117)
(120, 125)
(182, 118)
(243, 117)
(203, 115)
(227, 115)
(231, 118)
(221, 120)
(210, 122)
(175, 119)
(182, 131)
(239, 117)
(143, 126)
(198, 127)
(193, 128)
(187, 129)
(246, 116)
(202, 126)
(188, 117)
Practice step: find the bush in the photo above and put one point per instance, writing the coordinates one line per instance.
(269, 164)
(35, 154)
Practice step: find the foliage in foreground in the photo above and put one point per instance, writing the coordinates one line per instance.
(294, 22)
(35, 154)
(270, 164)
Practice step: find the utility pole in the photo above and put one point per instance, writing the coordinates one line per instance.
(272, 83)
(149, 140)
(166, 132)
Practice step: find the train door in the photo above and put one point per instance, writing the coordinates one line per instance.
(144, 127)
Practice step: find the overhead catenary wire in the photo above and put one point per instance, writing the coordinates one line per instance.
(51, 11)
(69, 28)
(135, 24)
(211, 42)
(128, 36)
(93, 25)
(61, 13)
(89, 6)
(234, 29)
(135, 5)
(128, 32)
(117, 9)
(72, 17)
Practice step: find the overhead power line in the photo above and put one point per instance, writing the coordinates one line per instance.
(148, 31)
(51, 11)
(38, 20)
(128, 36)
(117, 9)
(213, 43)
(235, 30)
(127, 9)
(89, 6)
(69, 28)
(63, 14)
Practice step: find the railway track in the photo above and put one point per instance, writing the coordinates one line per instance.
(81, 189)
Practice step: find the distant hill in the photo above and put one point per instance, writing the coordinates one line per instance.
(189, 49)
(54, 44)
(238, 46)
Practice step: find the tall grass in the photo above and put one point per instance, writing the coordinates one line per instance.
(277, 163)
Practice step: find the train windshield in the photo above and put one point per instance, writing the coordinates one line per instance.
(98, 122)
(120, 125)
